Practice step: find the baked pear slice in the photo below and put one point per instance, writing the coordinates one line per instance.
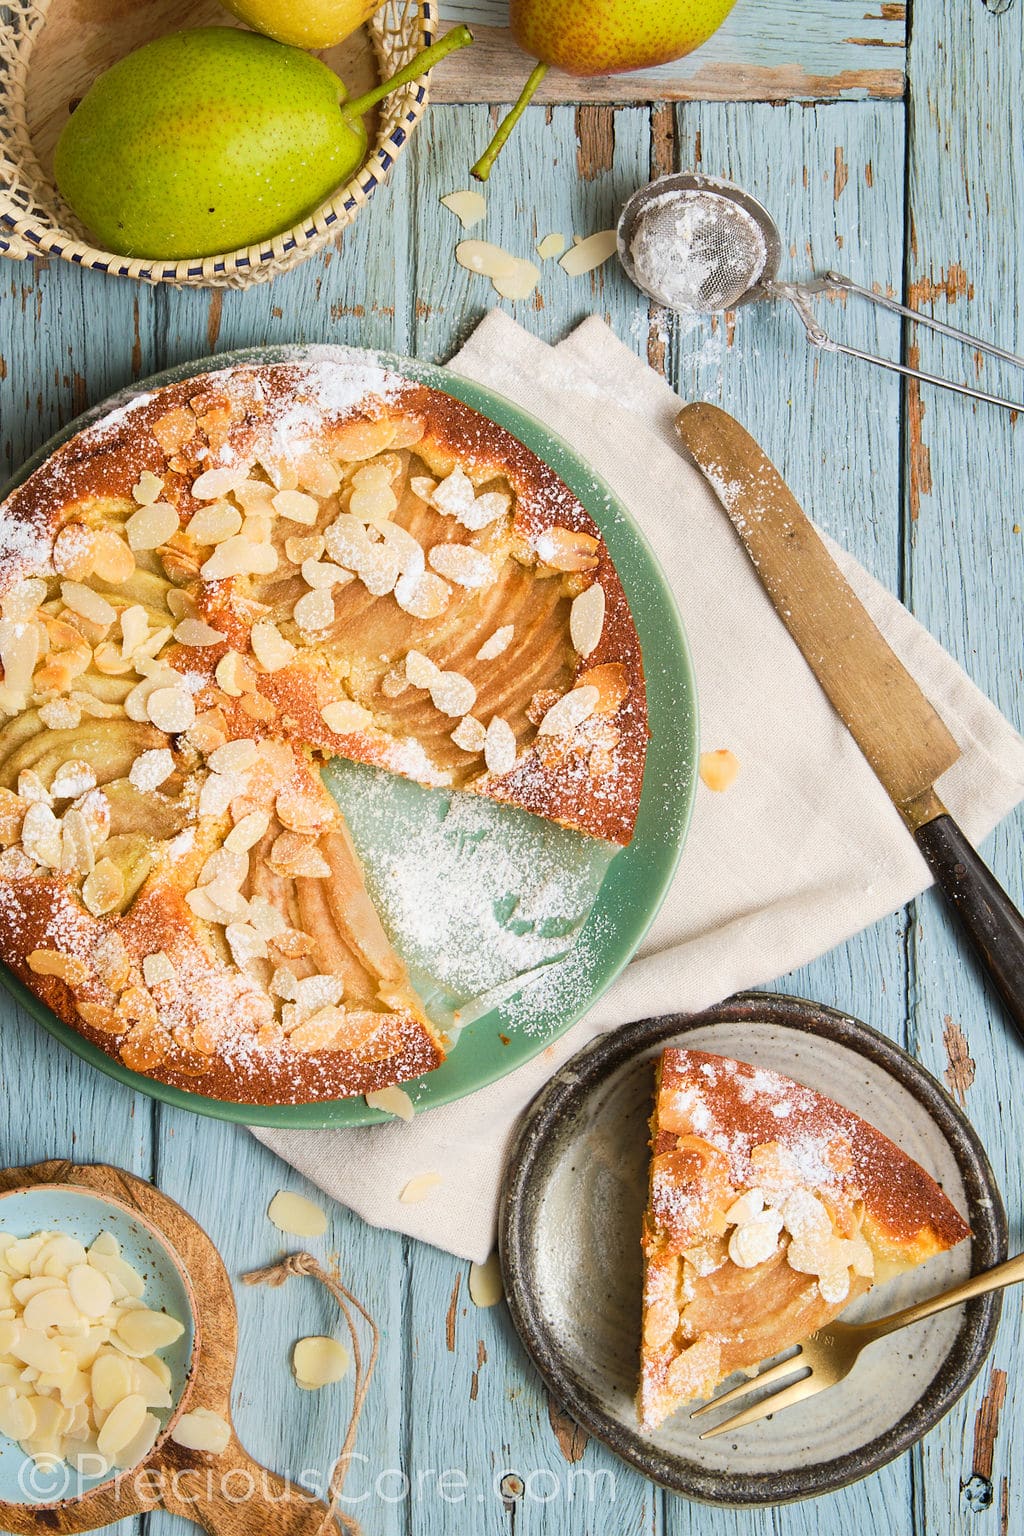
(770, 1209)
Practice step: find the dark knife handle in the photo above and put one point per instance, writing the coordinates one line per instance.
(990, 919)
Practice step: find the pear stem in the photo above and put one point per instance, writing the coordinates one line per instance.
(458, 37)
(482, 169)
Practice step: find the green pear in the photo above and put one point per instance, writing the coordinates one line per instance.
(304, 23)
(601, 37)
(208, 140)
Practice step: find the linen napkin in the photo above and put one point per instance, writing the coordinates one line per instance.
(802, 851)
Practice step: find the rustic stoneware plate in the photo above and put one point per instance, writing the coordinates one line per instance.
(569, 1234)
(637, 878)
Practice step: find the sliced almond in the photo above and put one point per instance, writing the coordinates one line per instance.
(296, 1215)
(151, 769)
(452, 693)
(40, 835)
(419, 1188)
(196, 633)
(500, 747)
(460, 563)
(151, 526)
(454, 495)
(345, 716)
(419, 669)
(317, 1362)
(247, 832)
(213, 483)
(84, 601)
(309, 547)
(234, 675)
(202, 1430)
(550, 246)
(73, 778)
(215, 523)
(239, 556)
(314, 611)
(590, 253)
(468, 207)
(393, 1101)
(586, 619)
(112, 560)
(498, 643)
(72, 552)
(297, 507)
(148, 488)
(569, 712)
(470, 734)
(157, 968)
(142, 1332)
(485, 1285)
(270, 647)
(423, 596)
(103, 890)
(520, 283)
(567, 549)
(171, 709)
(490, 260)
(719, 769)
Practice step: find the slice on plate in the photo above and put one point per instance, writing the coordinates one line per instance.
(770, 1209)
(206, 595)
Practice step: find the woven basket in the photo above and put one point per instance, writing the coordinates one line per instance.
(33, 218)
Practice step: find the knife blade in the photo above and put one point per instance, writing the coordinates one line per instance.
(898, 730)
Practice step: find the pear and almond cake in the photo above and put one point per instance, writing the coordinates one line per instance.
(203, 597)
(771, 1208)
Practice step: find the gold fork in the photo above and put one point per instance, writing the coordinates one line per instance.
(830, 1354)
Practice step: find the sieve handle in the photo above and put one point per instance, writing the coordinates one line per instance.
(799, 296)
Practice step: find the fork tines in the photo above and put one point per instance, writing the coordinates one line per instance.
(806, 1386)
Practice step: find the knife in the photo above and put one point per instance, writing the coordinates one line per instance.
(899, 732)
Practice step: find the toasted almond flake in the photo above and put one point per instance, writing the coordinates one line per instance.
(452, 693)
(485, 1286)
(74, 777)
(224, 866)
(487, 508)
(316, 1362)
(151, 526)
(245, 943)
(214, 523)
(234, 756)
(469, 207)
(569, 712)
(318, 1031)
(194, 632)
(407, 549)
(234, 675)
(314, 611)
(265, 918)
(103, 890)
(420, 670)
(307, 547)
(567, 549)
(348, 542)
(419, 1188)
(460, 563)
(60, 714)
(500, 747)
(151, 769)
(40, 835)
(269, 646)
(202, 1430)
(393, 1101)
(345, 716)
(254, 495)
(32, 789)
(318, 474)
(297, 507)
(148, 488)
(590, 253)
(245, 834)
(77, 854)
(497, 644)
(157, 968)
(469, 734)
(422, 486)
(213, 483)
(296, 1215)
(239, 556)
(72, 554)
(586, 619)
(134, 623)
(112, 560)
(454, 495)
(84, 601)
(372, 504)
(422, 595)
(481, 256)
(551, 245)
(50, 962)
(518, 284)
(718, 769)
(23, 598)
(171, 709)
(322, 573)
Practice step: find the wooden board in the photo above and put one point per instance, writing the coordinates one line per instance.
(766, 50)
(926, 497)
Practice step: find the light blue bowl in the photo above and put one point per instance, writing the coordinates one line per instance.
(76, 1212)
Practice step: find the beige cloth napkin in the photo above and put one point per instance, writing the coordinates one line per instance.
(801, 852)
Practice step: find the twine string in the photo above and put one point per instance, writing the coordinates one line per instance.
(306, 1264)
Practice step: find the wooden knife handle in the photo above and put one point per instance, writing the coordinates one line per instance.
(989, 918)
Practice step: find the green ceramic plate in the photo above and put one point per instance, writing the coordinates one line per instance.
(637, 878)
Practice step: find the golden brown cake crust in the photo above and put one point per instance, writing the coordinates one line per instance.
(205, 1021)
(771, 1208)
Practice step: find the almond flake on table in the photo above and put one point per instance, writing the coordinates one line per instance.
(202, 1430)
(485, 1286)
(718, 769)
(551, 245)
(419, 1188)
(469, 207)
(296, 1215)
(588, 254)
(318, 1361)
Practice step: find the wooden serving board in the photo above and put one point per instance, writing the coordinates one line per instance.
(766, 50)
(229, 1494)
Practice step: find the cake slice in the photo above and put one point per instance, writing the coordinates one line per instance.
(770, 1209)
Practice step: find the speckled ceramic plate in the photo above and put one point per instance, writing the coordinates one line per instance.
(570, 1249)
(637, 878)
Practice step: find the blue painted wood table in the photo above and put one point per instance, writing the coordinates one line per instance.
(917, 190)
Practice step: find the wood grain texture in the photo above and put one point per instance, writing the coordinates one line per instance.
(469, 1425)
(766, 50)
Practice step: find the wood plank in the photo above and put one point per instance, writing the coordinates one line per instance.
(766, 50)
(964, 494)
